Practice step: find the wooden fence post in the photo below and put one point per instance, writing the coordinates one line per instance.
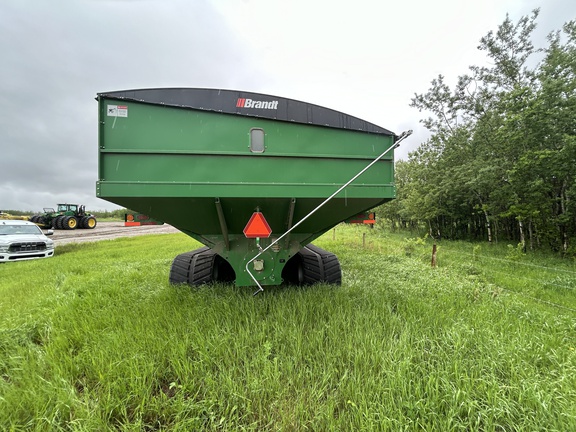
(434, 255)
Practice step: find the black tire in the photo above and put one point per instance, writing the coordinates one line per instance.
(90, 222)
(57, 222)
(312, 265)
(199, 267)
(54, 222)
(70, 223)
(332, 272)
(180, 268)
(83, 222)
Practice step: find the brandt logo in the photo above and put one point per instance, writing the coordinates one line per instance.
(249, 103)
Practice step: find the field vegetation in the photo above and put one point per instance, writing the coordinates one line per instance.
(499, 164)
(96, 339)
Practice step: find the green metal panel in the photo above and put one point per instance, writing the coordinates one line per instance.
(174, 164)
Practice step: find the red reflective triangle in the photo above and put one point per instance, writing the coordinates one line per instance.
(257, 226)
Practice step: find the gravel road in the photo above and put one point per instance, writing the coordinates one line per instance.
(108, 231)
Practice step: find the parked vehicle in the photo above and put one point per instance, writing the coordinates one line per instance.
(67, 216)
(23, 240)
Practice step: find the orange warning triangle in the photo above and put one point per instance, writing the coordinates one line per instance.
(257, 226)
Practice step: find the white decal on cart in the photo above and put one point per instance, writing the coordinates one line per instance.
(117, 111)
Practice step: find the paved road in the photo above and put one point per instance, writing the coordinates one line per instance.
(108, 231)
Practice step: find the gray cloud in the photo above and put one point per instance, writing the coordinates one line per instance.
(57, 55)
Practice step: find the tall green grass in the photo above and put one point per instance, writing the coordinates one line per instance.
(535, 275)
(96, 339)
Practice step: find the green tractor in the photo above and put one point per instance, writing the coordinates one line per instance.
(67, 216)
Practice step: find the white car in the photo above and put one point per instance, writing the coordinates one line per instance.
(22, 240)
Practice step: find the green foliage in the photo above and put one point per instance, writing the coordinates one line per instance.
(96, 339)
(515, 253)
(114, 215)
(17, 212)
(411, 244)
(500, 162)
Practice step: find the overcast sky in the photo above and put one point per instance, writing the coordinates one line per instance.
(365, 58)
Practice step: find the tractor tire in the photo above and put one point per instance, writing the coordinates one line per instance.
(90, 222)
(199, 267)
(52, 224)
(70, 222)
(312, 265)
(34, 218)
(58, 223)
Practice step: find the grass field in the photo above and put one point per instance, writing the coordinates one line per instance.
(95, 339)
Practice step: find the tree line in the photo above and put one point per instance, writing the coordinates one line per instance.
(500, 162)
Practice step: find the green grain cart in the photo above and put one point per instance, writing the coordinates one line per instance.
(245, 174)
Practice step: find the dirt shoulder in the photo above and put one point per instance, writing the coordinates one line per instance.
(108, 231)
